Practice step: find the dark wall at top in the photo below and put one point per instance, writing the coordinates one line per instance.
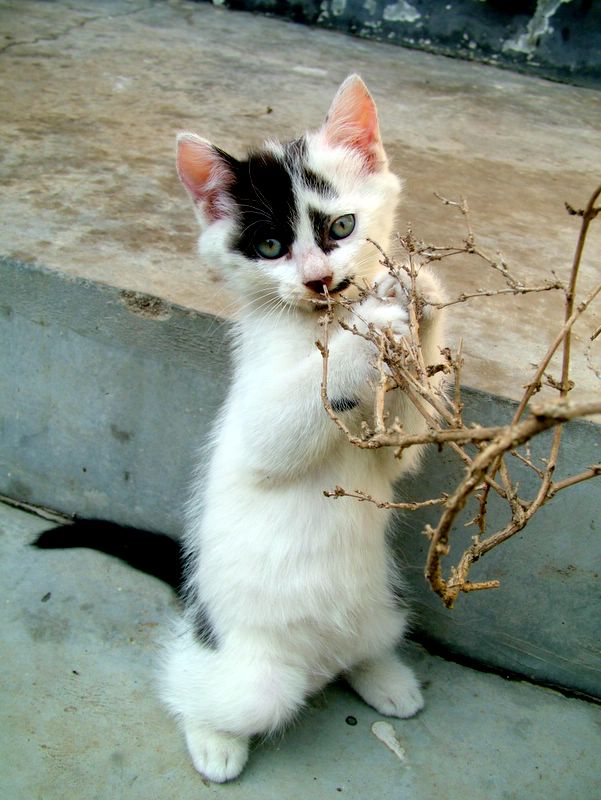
(557, 39)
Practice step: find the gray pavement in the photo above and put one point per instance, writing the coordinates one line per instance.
(80, 718)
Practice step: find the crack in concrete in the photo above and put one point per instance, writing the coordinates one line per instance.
(538, 26)
(53, 37)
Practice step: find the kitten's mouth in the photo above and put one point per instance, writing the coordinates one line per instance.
(341, 286)
(322, 289)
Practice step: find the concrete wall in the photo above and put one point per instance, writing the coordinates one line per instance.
(106, 397)
(558, 39)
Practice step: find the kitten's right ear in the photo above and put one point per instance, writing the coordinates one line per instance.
(206, 172)
(352, 122)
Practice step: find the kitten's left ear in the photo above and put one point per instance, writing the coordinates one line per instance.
(352, 121)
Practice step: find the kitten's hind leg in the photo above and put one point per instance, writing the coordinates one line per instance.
(223, 695)
(217, 755)
(388, 685)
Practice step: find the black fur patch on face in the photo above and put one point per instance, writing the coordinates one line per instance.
(296, 151)
(262, 190)
(320, 223)
(340, 287)
(296, 154)
(318, 184)
(203, 628)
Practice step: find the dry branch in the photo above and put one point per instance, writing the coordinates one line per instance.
(400, 365)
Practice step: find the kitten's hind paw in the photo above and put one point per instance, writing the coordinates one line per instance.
(217, 755)
(389, 686)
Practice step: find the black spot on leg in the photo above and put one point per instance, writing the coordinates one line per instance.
(342, 404)
(204, 630)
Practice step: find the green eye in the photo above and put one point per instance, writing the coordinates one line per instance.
(270, 248)
(342, 227)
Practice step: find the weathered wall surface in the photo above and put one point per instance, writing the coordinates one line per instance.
(106, 396)
(558, 39)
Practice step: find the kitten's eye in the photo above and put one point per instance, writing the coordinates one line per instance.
(342, 227)
(270, 248)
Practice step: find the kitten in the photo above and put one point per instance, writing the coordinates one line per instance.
(287, 589)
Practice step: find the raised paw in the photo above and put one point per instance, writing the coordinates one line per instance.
(391, 287)
(384, 312)
(388, 686)
(217, 755)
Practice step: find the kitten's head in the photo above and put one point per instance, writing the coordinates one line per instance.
(294, 217)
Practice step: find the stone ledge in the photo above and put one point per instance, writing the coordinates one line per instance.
(95, 95)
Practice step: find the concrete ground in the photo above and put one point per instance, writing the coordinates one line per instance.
(80, 718)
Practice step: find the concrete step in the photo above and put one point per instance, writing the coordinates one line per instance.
(81, 720)
(94, 95)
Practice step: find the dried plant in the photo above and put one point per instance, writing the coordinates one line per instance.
(485, 451)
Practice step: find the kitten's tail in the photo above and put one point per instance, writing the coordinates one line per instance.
(154, 553)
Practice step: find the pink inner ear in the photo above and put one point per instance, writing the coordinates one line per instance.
(194, 164)
(352, 121)
(203, 173)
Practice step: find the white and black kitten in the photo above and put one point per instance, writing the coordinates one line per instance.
(284, 588)
(287, 589)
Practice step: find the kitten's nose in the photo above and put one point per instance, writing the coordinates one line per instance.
(320, 285)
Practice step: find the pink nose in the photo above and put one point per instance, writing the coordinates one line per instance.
(318, 286)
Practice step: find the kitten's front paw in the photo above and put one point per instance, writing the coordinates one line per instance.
(388, 686)
(398, 288)
(385, 313)
(217, 755)
(389, 287)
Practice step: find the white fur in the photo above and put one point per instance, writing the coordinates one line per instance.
(298, 587)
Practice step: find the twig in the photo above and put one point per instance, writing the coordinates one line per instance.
(357, 494)
(400, 364)
(464, 296)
